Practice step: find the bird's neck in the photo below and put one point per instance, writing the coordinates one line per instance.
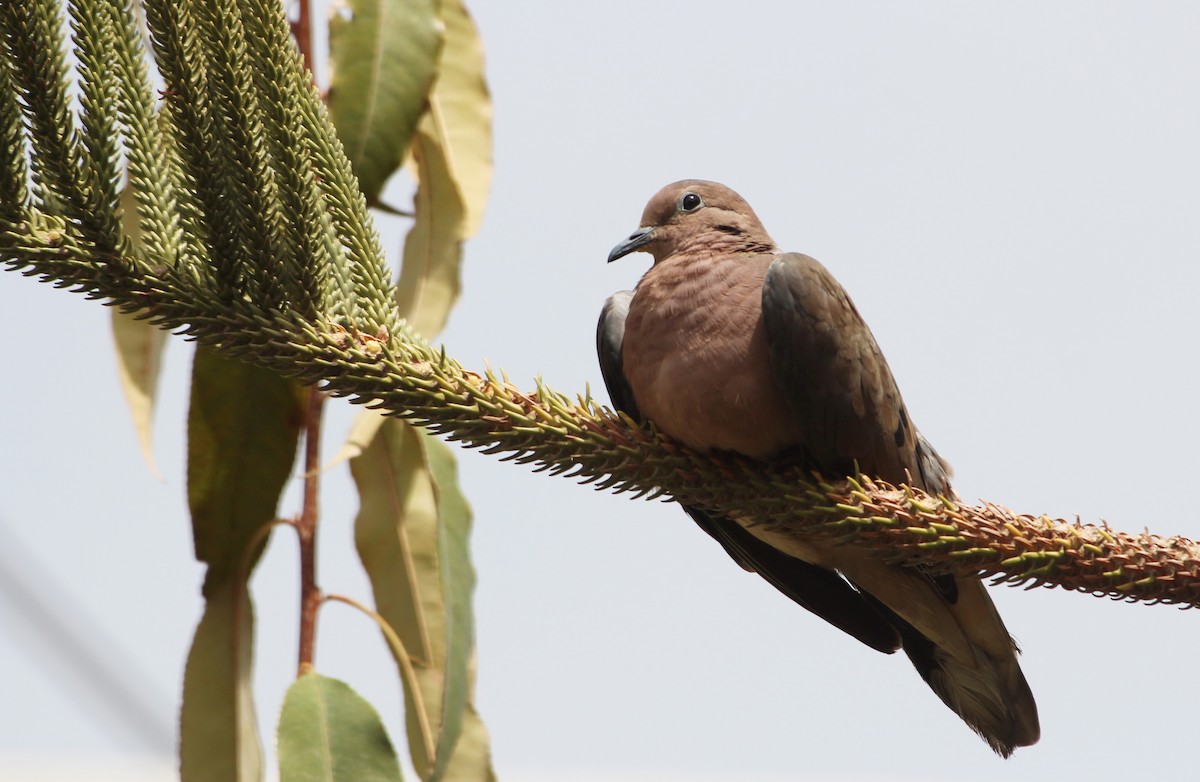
(724, 241)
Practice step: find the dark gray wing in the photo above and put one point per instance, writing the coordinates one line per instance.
(935, 471)
(837, 381)
(817, 589)
(839, 386)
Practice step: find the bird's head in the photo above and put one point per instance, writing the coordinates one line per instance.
(694, 215)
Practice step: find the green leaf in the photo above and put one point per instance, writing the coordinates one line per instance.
(383, 57)
(328, 733)
(243, 425)
(411, 534)
(460, 112)
(218, 734)
(430, 276)
(457, 577)
(472, 758)
(452, 162)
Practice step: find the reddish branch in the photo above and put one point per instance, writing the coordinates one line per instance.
(306, 529)
(306, 524)
(302, 32)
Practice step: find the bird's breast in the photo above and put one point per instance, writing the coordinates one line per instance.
(695, 355)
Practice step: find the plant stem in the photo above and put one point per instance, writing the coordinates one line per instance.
(412, 686)
(302, 31)
(306, 529)
(306, 524)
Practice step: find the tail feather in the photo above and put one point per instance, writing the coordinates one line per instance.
(989, 694)
(984, 686)
(955, 638)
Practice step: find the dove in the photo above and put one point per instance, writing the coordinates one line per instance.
(729, 344)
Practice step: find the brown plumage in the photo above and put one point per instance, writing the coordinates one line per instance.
(729, 344)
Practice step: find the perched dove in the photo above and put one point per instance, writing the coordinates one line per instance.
(729, 344)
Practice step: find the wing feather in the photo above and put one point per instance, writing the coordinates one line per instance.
(833, 375)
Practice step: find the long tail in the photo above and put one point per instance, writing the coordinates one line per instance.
(964, 653)
(948, 626)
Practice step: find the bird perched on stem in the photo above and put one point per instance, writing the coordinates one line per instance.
(729, 344)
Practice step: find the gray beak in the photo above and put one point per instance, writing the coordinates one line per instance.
(638, 239)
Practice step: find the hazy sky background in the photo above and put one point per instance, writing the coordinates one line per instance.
(1010, 193)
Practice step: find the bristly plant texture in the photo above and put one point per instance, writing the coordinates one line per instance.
(257, 242)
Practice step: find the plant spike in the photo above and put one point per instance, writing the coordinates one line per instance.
(365, 352)
(153, 169)
(100, 143)
(33, 34)
(14, 176)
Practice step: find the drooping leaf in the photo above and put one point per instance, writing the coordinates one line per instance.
(139, 349)
(395, 534)
(384, 56)
(243, 425)
(328, 733)
(139, 357)
(457, 577)
(411, 534)
(452, 163)
(430, 276)
(460, 107)
(218, 732)
(472, 758)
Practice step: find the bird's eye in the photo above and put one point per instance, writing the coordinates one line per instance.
(690, 202)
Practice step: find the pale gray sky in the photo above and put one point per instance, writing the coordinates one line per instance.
(1008, 191)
